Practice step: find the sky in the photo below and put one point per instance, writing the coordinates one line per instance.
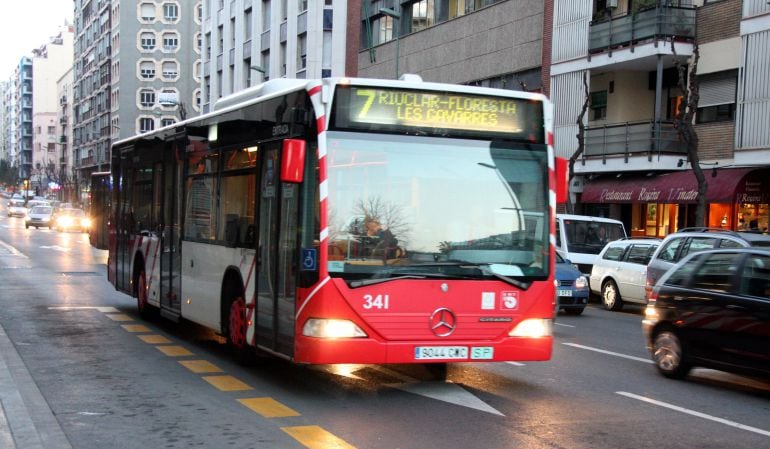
(28, 24)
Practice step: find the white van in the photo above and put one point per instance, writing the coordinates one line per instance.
(580, 238)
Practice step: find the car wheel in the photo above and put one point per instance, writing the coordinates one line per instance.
(669, 355)
(574, 311)
(611, 296)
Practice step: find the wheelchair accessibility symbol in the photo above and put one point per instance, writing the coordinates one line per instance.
(309, 260)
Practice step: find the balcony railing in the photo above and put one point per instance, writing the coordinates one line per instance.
(632, 139)
(658, 22)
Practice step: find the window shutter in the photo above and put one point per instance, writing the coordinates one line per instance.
(716, 91)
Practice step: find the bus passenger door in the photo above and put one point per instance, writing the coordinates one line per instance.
(170, 255)
(276, 280)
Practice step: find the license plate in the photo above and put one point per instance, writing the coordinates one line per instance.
(482, 353)
(564, 292)
(440, 352)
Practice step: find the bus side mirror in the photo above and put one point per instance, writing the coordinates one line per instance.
(562, 180)
(293, 161)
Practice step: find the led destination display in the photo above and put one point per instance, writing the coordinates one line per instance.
(363, 107)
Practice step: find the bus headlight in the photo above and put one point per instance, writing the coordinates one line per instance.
(332, 328)
(532, 328)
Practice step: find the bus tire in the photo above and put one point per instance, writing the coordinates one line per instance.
(142, 304)
(235, 325)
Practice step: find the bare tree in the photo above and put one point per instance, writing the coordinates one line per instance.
(390, 214)
(581, 141)
(684, 124)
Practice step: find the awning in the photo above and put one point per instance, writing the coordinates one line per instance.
(739, 185)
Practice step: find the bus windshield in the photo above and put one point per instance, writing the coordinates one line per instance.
(433, 207)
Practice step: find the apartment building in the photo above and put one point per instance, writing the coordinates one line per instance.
(21, 117)
(491, 43)
(49, 62)
(634, 165)
(67, 181)
(246, 42)
(134, 72)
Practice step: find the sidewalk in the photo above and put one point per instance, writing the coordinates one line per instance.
(26, 420)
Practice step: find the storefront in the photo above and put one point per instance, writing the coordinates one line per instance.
(658, 204)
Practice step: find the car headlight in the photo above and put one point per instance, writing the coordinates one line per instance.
(332, 328)
(581, 282)
(86, 222)
(532, 328)
(64, 221)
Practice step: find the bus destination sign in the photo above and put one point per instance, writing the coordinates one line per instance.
(363, 106)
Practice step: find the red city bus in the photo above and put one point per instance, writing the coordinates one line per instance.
(347, 221)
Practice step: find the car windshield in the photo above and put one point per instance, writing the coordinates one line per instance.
(42, 210)
(589, 237)
(456, 207)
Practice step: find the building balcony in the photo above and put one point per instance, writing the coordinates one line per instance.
(632, 139)
(651, 24)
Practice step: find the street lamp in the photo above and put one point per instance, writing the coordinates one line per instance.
(396, 21)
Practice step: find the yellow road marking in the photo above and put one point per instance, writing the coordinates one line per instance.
(135, 327)
(226, 383)
(174, 351)
(154, 339)
(315, 437)
(119, 317)
(268, 407)
(200, 366)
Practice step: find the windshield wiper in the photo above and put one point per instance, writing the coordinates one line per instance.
(486, 269)
(372, 281)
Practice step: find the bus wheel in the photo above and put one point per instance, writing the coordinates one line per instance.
(141, 295)
(236, 331)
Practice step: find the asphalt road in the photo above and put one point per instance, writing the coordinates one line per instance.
(112, 380)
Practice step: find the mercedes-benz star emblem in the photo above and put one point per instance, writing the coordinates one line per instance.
(443, 322)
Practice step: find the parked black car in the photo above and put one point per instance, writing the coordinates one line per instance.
(712, 309)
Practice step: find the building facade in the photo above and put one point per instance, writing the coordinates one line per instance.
(615, 61)
(67, 182)
(21, 117)
(49, 62)
(134, 72)
(246, 42)
(491, 43)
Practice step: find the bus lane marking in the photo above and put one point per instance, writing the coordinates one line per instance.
(603, 351)
(201, 366)
(227, 383)
(118, 317)
(135, 328)
(268, 407)
(315, 437)
(695, 413)
(154, 339)
(173, 351)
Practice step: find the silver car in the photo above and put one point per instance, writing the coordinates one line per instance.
(620, 271)
(39, 216)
